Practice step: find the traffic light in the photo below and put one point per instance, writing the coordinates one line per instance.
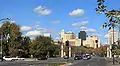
(67, 43)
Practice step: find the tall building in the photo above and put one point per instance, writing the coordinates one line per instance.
(110, 41)
(89, 41)
(92, 41)
(47, 34)
(82, 35)
(67, 35)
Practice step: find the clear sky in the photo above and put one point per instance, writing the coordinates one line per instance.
(51, 16)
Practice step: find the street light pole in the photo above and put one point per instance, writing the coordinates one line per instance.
(113, 47)
(1, 44)
(2, 35)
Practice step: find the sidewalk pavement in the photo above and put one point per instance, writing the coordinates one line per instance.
(110, 62)
(30, 59)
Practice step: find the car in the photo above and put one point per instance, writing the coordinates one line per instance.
(85, 57)
(89, 57)
(19, 58)
(42, 58)
(8, 58)
(65, 57)
(77, 57)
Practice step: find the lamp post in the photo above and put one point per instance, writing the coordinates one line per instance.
(113, 46)
(62, 53)
(2, 35)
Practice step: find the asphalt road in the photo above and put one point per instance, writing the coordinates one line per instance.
(95, 61)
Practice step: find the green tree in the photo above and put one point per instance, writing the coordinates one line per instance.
(77, 50)
(42, 45)
(25, 46)
(11, 36)
(112, 15)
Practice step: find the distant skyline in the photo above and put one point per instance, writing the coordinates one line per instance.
(51, 16)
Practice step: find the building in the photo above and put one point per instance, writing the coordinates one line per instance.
(64, 37)
(67, 35)
(110, 41)
(82, 35)
(92, 41)
(47, 34)
(89, 41)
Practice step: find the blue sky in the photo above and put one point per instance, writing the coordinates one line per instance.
(51, 16)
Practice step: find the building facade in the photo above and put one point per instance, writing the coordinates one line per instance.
(110, 41)
(92, 41)
(82, 35)
(89, 41)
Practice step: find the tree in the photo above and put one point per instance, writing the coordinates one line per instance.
(101, 51)
(113, 16)
(15, 39)
(77, 50)
(12, 39)
(42, 45)
(24, 47)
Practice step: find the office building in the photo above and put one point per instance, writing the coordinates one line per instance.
(110, 41)
(82, 35)
(88, 41)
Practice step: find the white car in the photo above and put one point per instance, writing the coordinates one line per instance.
(7, 58)
(20, 58)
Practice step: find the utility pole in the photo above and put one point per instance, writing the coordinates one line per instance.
(113, 46)
(2, 36)
(1, 45)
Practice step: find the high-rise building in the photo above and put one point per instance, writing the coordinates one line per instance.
(110, 41)
(92, 41)
(67, 35)
(88, 41)
(82, 35)
(47, 34)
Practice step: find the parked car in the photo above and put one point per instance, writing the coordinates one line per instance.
(88, 56)
(77, 57)
(18, 58)
(85, 57)
(8, 58)
(42, 58)
(65, 57)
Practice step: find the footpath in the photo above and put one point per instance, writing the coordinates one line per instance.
(110, 62)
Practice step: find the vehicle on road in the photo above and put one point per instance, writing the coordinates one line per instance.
(86, 57)
(18, 58)
(8, 58)
(77, 57)
(65, 57)
(42, 58)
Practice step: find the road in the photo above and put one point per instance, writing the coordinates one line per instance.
(95, 61)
